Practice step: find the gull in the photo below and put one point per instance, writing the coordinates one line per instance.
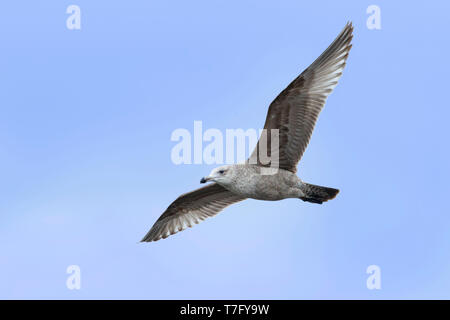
(293, 114)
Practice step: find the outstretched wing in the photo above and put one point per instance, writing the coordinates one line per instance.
(294, 112)
(191, 208)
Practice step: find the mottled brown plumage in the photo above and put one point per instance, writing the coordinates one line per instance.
(295, 110)
(293, 114)
(191, 208)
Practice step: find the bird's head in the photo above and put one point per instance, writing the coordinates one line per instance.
(221, 175)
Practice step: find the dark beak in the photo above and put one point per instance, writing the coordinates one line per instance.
(203, 180)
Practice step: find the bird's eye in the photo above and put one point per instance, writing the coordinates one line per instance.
(221, 171)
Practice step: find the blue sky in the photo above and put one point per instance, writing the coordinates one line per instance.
(85, 123)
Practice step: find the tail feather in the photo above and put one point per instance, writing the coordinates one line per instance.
(317, 194)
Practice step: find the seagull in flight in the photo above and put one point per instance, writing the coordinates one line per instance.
(293, 113)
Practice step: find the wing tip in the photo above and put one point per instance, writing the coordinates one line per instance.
(349, 26)
(156, 233)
